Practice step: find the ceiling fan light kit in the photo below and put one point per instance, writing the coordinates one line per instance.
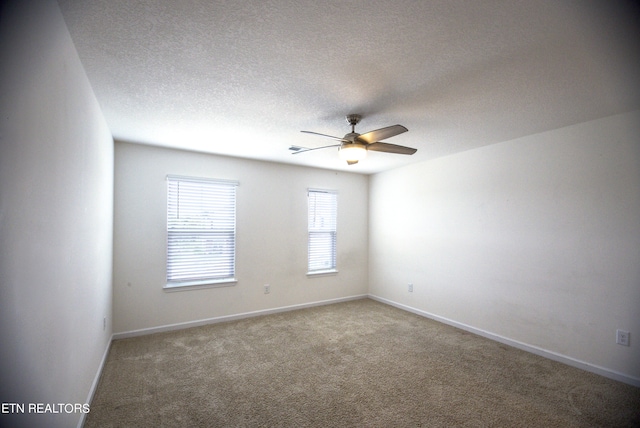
(353, 147)
(353, 152)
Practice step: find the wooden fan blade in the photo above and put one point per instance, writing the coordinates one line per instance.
(304, 149)
(382, 133)
(391, 148)
(323, 135)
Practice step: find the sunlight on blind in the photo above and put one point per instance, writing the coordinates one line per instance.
(323, 209)
(201, 230)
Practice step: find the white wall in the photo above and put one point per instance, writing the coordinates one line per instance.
(536, 240)
(56, 216)
(271, 237)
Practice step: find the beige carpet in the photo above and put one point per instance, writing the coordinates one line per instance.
(352, 364)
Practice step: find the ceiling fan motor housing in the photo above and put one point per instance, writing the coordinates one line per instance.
(352, 137)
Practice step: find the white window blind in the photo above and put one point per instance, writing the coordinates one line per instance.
(323, 212)
(201, 230)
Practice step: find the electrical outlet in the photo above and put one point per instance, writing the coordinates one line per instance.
(410, 288)
(622, 337)
(267, 289)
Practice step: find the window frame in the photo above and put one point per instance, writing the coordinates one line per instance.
(315, 229)
(224, 224)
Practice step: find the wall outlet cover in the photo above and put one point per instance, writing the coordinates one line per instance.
(622, 337)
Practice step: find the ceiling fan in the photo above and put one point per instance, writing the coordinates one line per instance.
(353, 147)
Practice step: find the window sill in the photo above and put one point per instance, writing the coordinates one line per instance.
(197, 285)
(322, 272)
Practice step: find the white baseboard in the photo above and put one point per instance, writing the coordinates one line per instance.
(602, 371)
(198, 323)
(96, 380)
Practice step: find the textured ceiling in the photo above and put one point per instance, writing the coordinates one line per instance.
(243, 78)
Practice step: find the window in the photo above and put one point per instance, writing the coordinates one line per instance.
(323, 209)
(201, 231)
